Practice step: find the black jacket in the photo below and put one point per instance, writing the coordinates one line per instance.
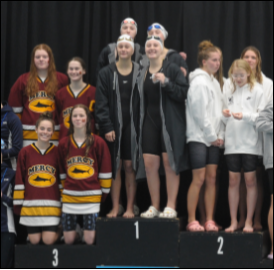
(108, 112)
(174, 57)
(173, 97)
(107, 56)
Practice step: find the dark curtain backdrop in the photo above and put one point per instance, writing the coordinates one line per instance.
(83, 28)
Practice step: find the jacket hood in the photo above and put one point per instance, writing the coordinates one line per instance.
(6, 108)
(199, 72)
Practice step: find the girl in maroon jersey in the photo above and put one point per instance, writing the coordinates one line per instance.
(33, 93)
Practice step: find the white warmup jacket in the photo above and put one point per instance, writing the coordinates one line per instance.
(204, 109)
(268, 89)
(241, 136)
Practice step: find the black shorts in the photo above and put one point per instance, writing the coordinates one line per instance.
(153, 141)
(69, 222)
(270, 178)
(201, 155)
(237, 162)
(126, 142)
(34, 230)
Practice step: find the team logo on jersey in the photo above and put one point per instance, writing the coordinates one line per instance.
(80, 168)
(41, 102)
(66, 115)
(42, 176)
(92, 105)
(230, 100)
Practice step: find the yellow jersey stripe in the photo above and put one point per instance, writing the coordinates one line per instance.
(83, 91)
(19, 194)
(105, 183)
(41, 211)
(88, 199)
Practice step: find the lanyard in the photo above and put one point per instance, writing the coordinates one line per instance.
(2, 121)
(4, 176)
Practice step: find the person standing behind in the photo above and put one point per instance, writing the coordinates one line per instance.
(8, 233)
(78, 92)
(243, 144)
(205, 134)
(163, 90)
(265, 124)
(117, 113)
(11, 135)
(85, 171)
(33, 93)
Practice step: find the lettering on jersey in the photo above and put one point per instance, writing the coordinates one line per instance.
(66, 115)
(42, 176)
(230, 100)
(92, 105)
(80, 168)
(249, 98)
(41, 102)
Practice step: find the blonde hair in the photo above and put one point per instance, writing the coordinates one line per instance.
(219, 75)
(258, 74)
(242, 64)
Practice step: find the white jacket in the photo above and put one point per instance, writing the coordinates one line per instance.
(241, 136)
(204, 109)
(268, 89)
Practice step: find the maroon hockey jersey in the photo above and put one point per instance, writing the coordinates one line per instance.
(65, 100)
(29, 109)
(37, 187)
(85, 179)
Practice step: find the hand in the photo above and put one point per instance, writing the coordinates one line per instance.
(159, 77)
(216, 143)
(221, 143)
(184, 71)
(110, 137)
(226, 113)
(238, 116)
(184, 55)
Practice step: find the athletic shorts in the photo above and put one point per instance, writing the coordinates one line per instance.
(237, 162)
(126, 143)
(260, 162)
(35, 230)
(270, 178)
(201, 155)
(69, 222)
(153, 141)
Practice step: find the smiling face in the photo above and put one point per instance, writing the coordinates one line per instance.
(157, 33)
(41, 59)
(75, 71)
(251, 58)
(79, 118)
(212, 64)
(153, 49)
(124, 50)
(129, 29)
(240, 76)
(45, 131)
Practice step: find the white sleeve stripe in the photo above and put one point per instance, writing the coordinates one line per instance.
(105, 175)
(82, 193)
(28, 127)
(18, 202)
(106, 190)
(19, 187)
(63, 176)
(17, 109)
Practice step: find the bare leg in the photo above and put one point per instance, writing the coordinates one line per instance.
(258, 211)
(270, 223)
(201, 206)
(242, 206)
(194, 192)
(115, 194)
(252, 196)
(152, 165)
(234, 198)
(89, 237)
(49, 238)
(172, 183)
(35, 238)
(70, 237)
(131, 187)
(210, 192)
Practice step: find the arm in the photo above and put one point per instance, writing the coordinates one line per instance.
(92, 109)
(19, 189)
(198, 102)
(104, 167)
(102, 112)
(7, 200)
(264, 122)
(15, 126)
(16, 97)
(62, 167)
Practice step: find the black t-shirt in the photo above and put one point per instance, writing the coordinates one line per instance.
(125, 87)
(152, 100)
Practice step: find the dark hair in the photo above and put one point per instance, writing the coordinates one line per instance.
(258, 75)
(46, 116)
(78, 59)
(90, 138)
